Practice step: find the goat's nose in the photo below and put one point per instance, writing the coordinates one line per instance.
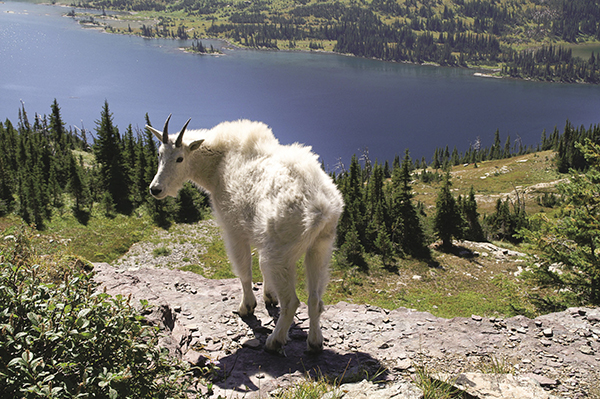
(155, 191)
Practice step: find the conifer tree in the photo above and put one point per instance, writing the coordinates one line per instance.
(354, 209)
(78, 188)
(407, 231)
(507, 151)
(448, 223)
(496, 151)
(473, 230)
(352, 253)
(6, 194)
(377, 208)
(107, 149)
(190, 204)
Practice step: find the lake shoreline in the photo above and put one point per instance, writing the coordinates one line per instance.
(482, 72)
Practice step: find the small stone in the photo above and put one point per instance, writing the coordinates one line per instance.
(193, 357)
(545, 342)
(253, 343)
(417, 277)
(521, 330)
(586, 350)
(177, 308)
(548, 332)
(593, 318)
(335, 326)
(476, 318)
(542, 380)
(403, 364)
(215, 346)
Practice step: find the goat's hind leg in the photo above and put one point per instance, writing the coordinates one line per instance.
(269, 293)
(241, 258)
(316, 263)
(283, 280)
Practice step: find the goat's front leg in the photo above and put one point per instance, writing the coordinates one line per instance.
(241, 258)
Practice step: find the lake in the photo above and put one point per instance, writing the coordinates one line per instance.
(337, 104)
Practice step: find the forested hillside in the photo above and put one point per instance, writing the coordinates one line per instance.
(519, 38)
(47, 169)
(49, 174)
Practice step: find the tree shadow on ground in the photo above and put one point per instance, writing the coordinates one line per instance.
(245, 370)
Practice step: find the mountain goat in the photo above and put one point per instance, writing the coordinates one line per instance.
(275, 197)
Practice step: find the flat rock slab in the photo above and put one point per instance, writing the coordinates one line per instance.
(361, 341)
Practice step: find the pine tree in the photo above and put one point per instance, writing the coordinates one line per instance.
(77, 187)
(407, 231)
(496, 151)
(473, 230)
(353, 215)
(507, 151)
(6, 194)
(448, 223)
(108, 155)
(190, 204)
(352, 253)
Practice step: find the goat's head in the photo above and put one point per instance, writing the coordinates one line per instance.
(173, 162)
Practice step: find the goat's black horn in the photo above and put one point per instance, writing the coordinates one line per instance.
(180, 137)
(166, 130)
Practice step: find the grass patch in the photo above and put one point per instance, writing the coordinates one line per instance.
(435, 388)
(309, 389)
(100, 240)
(161, 251)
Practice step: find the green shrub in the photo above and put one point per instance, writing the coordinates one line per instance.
(62, 339)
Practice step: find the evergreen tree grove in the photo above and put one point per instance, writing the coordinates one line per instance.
(571, 239)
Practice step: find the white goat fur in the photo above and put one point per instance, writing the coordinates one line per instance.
(273, 196)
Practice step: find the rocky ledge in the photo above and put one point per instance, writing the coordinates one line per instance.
(371, 352)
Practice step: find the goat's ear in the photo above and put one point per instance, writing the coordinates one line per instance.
(157, 133)
(196, 144)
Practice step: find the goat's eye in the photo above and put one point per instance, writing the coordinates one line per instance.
(180, 159)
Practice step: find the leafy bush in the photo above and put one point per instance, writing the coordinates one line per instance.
(62, 339)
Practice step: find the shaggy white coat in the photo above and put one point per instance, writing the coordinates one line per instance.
(275, 197)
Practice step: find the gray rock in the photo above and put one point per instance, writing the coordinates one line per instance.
(501, 386)
(368, 390)
(366, 341)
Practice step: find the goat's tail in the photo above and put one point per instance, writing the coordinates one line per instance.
(323, 213)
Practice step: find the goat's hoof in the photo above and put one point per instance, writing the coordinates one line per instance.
(277, 352)
(246, 310)
(270, 301)
(314, 348)
(274, 347)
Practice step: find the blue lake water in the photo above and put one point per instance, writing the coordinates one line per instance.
(337, 104)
